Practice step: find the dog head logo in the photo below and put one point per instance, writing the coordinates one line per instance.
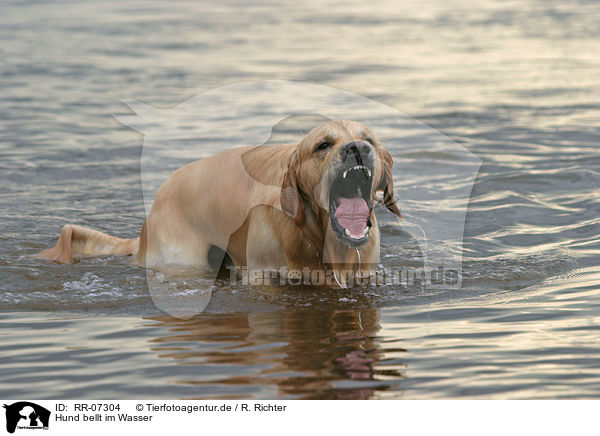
(336, 168)
(26, 415)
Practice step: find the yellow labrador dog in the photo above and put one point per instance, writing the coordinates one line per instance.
(271, 206)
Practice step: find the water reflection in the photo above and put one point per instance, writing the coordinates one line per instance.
(318, 354)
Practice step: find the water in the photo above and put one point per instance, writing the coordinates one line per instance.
(513, 82)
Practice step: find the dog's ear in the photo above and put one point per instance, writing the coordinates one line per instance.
(387, 183)
(291, 201)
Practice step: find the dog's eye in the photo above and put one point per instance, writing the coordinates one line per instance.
(323, 146)
(370, 140)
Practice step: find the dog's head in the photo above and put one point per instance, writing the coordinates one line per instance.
(337, 169)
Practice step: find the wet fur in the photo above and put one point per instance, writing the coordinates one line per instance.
(258, 204)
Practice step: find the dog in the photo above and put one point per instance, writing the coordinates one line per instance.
(305, 205)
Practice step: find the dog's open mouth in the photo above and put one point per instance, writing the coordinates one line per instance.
(350, 205)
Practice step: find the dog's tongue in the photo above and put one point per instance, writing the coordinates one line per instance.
(352, 214)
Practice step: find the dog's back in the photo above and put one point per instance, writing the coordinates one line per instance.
(199, 205)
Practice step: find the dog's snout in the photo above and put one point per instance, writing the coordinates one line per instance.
(358, 149)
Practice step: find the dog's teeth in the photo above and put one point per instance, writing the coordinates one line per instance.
(358, 168)
(363, 233)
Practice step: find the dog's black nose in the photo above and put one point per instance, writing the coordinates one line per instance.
(359, 149)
